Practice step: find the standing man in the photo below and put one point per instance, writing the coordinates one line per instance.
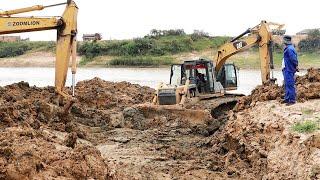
(290, 67)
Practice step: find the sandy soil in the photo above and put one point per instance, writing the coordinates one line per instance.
(35, 59)
(111, 132)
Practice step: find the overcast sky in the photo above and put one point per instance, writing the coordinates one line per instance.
(125, 19)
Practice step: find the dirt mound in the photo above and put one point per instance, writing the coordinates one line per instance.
(94, 141)
(26, 153)
(99, 94)
(308, 87)
(38, 139)
(100, 103)
(258, 143)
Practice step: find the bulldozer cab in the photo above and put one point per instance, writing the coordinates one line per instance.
(201, 74)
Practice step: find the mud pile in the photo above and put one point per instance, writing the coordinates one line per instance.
(26, 153)
(258, 143)
(99, 94)
(100, 103)
(308, 87)
(39, 139)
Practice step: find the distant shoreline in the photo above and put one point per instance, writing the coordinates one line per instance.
(246, 60)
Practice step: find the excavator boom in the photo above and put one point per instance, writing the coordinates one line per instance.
(29, 9)
(232, 48)
(260, 35)
(66, 36)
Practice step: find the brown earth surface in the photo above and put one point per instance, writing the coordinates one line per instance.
(39, 140)
(107, 135)
(307, 88)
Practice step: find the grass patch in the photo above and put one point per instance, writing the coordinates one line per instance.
(141, 61)
(307, 126)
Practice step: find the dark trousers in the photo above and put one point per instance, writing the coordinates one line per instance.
(289, 84)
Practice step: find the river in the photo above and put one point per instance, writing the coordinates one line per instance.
(248, 79)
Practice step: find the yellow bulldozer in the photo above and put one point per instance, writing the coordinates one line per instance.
(197, 80)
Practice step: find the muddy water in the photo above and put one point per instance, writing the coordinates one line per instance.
(248, 79)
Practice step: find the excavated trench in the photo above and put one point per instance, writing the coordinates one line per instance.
(107, 135)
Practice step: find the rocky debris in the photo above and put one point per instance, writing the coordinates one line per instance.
(308, 87)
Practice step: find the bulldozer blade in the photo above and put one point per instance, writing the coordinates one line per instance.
(189, 116)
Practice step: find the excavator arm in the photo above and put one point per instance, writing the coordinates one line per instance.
(260, 35)
(66, 27)
(66, 48)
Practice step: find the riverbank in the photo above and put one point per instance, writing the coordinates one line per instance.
(31, 59)
(244, 60)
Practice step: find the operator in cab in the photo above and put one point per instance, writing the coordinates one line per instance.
(289, 68)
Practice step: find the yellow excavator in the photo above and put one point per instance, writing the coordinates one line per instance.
(201, 79)
(66, 26)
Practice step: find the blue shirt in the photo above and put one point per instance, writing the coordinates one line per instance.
(290, 59)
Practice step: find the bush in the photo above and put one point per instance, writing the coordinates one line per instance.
(90, 49)
(140, 46)
(219, 41)
(312, 43)
(11, 49)
(154, 33)
(197, 35)
(308, 45)
(47, 46)
(137, 47)
(158, 51)
(141, 61)
(166, 43)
